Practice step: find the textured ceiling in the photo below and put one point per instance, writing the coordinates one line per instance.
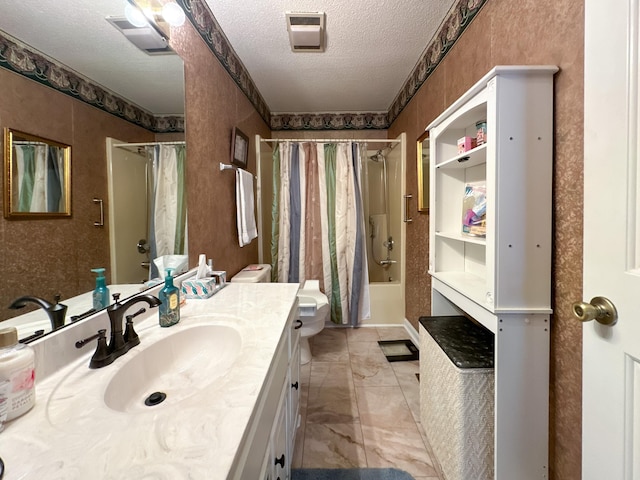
(76, 34)
(371, 48)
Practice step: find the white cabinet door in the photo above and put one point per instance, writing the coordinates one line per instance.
(611, 354)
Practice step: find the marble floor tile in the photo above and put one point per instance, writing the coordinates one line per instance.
(362, 334)
(331, 374)
(331, 404)
(406, 374)
(401, 448)
(334, 446)
(383, 407)
(370, 367)
(330, 345)
(392, 333)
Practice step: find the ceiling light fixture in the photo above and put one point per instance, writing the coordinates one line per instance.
(173, 14)
(135, 16)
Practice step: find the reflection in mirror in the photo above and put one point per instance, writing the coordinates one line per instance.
(37, 173)
(423, 173)
(75, 78)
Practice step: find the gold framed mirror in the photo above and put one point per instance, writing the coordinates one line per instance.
(37, 176)
(423, 172)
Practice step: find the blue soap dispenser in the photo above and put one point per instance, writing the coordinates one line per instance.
(169, 309)
(101, 293)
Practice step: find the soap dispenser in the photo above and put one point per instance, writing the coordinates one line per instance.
(169, 309)
(101, 293)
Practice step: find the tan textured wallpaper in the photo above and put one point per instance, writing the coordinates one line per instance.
(214, 105)
(45, 257)
(511, 33)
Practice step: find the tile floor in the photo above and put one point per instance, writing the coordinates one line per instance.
(360, 410)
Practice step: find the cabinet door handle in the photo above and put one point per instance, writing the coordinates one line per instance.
(294, 385)
(298, 324)
(407, 197)
(280, 461)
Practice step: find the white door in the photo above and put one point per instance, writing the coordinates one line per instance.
(611, 354)
(127, 178)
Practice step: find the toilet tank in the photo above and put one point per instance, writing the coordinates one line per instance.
(257, 273)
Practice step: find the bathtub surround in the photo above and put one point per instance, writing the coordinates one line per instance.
(318, 224)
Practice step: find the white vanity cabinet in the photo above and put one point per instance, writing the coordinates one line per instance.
(503, 279)
(270, 437)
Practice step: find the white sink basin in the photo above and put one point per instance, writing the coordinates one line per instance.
(179, 365)
(180, 362)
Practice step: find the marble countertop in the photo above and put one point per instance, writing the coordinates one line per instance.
(71, 434)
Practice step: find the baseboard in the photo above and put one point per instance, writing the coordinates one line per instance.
(413, 333)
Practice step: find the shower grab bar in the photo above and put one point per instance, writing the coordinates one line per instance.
(407, 197)
(99, 223)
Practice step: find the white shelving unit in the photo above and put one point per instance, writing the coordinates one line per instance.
(502, 280)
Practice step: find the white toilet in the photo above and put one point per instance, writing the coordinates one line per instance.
(313, 305)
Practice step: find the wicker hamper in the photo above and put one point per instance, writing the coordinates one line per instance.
(457, 395)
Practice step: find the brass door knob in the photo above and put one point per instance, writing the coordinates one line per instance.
(600, 309)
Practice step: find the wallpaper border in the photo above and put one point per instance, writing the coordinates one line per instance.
(28, 62)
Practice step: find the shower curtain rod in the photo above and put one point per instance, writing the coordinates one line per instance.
(331, 140)
(148, 144)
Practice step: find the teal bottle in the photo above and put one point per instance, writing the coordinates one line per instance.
(101, 292)
(169, 309)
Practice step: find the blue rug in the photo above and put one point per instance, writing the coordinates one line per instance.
(349, 474)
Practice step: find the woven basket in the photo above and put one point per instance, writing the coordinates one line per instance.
(457, 412)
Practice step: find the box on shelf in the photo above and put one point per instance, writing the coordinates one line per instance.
(474, 210)
(465, 144)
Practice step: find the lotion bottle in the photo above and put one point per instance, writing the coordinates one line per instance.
(17, 367)
(101, 293)
(169, 309)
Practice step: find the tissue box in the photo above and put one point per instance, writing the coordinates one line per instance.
(203, 288)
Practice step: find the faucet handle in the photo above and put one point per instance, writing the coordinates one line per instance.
(101, 356)
(131, 338)
(116, 297)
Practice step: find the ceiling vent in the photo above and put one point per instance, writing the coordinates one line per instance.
(306, 31)
(145, 38)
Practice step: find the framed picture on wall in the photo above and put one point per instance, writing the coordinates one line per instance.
(239, 148)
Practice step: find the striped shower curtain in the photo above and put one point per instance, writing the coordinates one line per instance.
(318, 224)
(40, 170)
(168, 209)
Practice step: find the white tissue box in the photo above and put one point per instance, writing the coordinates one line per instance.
(202, 288)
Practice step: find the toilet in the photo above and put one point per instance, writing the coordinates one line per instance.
(313, 305)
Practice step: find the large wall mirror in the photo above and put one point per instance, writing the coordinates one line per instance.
(49, 256)
(423, 173)
(37, 173)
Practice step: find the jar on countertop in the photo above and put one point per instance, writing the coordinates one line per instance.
(17, 375)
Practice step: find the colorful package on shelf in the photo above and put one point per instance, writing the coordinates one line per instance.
(465, 144)
(474, 210)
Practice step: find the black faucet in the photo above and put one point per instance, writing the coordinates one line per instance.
(55, 311)
(120, 342)
(118, 345)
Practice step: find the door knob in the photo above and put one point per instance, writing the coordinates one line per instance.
(600, 309)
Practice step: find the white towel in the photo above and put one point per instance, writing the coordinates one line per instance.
(247, 230)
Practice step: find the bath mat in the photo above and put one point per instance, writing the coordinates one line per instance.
(349, 474)
(399, 350)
